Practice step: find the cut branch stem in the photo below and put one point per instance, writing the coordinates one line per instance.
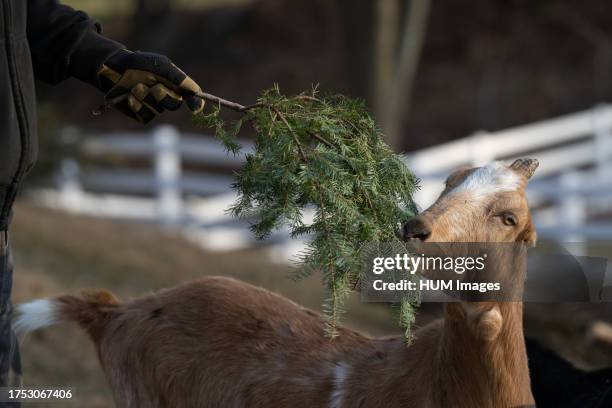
(204, 95)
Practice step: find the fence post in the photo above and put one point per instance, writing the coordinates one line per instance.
(602, 133)
(573, 211)
(166, 141)
(69, 183)
(70, 189)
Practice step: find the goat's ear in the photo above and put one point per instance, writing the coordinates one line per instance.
(525, 167)
(457, 176)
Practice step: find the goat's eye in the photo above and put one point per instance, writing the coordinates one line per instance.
(509, 219)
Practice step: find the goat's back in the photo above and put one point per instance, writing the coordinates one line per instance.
(218, 342)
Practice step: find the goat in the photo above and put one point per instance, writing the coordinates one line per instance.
(219, 342)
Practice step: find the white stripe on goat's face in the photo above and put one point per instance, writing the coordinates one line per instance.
(488, 180)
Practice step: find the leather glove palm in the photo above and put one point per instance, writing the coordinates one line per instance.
(153, 84)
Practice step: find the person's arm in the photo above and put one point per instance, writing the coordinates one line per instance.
(65, 42)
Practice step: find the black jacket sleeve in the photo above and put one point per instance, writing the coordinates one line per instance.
(65, 42)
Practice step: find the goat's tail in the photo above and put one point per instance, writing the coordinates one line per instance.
(91, 311)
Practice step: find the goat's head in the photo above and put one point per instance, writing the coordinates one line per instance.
(482, 204)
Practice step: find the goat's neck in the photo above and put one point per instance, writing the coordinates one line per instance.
(482, 352)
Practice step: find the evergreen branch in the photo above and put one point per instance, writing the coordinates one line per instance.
(327, 154)
(293, 134)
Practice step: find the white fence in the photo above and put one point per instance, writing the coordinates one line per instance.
(572, 186)
(194, 202)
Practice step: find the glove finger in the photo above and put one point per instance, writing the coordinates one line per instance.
(117, 91)
(143, 112)
(166, 97)
(108, 78)
(124, 108)
(175, 78)
(144, 96)
(195, 104)
(135, 109)
(188, 86)
(133, 77)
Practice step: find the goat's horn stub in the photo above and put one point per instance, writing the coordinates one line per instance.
(525, 167)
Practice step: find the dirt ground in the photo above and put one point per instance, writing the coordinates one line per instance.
(57, 253)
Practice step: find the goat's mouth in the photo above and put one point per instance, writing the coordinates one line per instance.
(413, 240)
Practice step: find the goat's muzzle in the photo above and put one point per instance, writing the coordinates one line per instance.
(416, 228)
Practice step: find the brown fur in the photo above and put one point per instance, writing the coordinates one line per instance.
(218, 342)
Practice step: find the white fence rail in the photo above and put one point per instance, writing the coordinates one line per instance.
(572, 185)
(592, 125)
(195, 201)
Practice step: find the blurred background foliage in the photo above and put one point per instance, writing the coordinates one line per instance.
(484, 64)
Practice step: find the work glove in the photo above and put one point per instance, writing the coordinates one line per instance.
(151, 82)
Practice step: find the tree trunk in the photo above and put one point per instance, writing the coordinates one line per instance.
(387, 23)
(395, 94)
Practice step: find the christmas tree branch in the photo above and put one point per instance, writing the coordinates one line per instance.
(293, 134)
(359, 188)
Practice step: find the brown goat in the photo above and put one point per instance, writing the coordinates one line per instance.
(218, 342)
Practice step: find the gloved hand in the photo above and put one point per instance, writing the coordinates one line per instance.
(153, 83)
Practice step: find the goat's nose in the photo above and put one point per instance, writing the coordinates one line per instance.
(417, 228)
